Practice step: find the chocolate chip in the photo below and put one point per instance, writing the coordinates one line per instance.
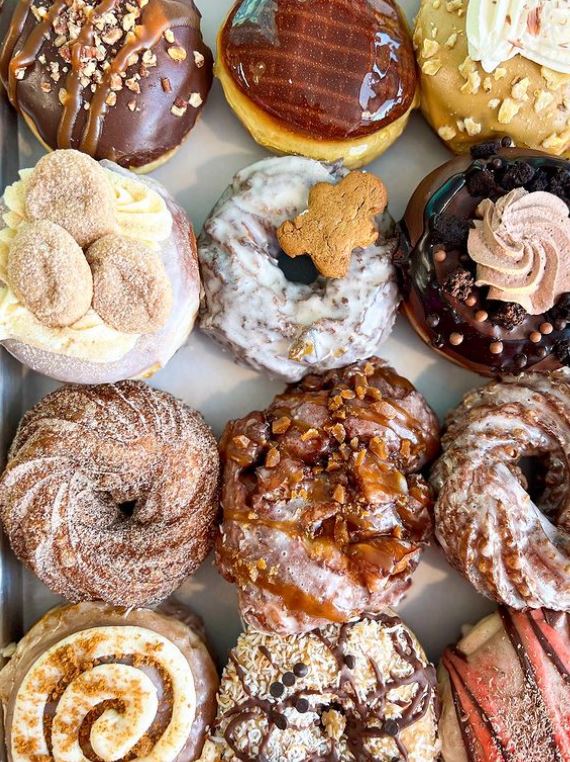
(517, 175)
(560, 183)
(391, 728)
(350, 661)
(459, 284)
(276, 689)
(520, 360)
(288, 679)
(280, 721)
(302, 706)
(450, 229)
(300, 669)
(481, 182)
(433, 320)
(509, 315)
(485, 150)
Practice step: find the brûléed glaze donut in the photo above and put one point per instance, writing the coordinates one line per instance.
(325, 514)
(111, 492)
(93, 681)
(506, 530)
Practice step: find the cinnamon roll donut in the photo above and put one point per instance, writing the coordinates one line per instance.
(325, 513)
(359, 692)
(505, 690)
(96, 682)
(111, 492)
(502, 513)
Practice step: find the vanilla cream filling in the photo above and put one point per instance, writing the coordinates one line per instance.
(141, 214)
(539, 30)
(114, 734)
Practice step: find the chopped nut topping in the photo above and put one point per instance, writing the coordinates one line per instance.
(111, 99)
(241, 441)
(431, 66)
(272, 458)
(177, 53)
(509, 109)
(195, 100)
(430, 48)
(179, 107)
(166, 86)
(447, 132)
(309, 434)
(199, 59)
(169, 36)
(281, 425)
(62, 95)
(339, 494)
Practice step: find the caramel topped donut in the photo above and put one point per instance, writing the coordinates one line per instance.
(110, 492)
(503, 504)
(359, 692)
(118, 80)
(484, 258)
(325, 516)
(95, 682)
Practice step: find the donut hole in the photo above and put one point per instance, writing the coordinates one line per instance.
(127, 508)
(544, 477)
(298, 269)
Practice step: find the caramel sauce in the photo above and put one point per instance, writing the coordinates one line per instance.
(333, 69)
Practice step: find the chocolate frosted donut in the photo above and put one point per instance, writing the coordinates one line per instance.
(343, 94)
(289, 327)
(118, 80)
(505, 690)
(111, 492)
(484, 260)
(502, 513)
(325, 515)
(360, 692)
(97, 682)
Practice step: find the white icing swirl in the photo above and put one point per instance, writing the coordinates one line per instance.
(115, 733)
(539, 30)
(141, 213)
(522, 249)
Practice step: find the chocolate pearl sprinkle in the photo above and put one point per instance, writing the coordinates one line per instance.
(520, 360)
(440, 256)
(350, 661)
(391, 728)
(471, 301)
(300, 670)
(455, 339)
(288, 679)
(302, 706)
(546, 328)
(280, 721)
(535, 337)
(496, 347)
(541, 352)
(276, 689)
(481, 316)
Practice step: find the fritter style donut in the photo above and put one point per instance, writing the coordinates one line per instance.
(359, 692)
(111, 492)
(325, 515)
(94, 681)
(509, 532)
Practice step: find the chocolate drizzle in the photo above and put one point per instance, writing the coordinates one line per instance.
(364, 716)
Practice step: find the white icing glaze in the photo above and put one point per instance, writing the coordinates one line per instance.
(113, 734)
(250, 307)
(539, 30)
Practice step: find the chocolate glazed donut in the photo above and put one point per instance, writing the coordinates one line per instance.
(447, 307)
(325, 515)
(116, 80)
(509, 532)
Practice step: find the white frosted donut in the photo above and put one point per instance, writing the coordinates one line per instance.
(91, 351)
(264, 319)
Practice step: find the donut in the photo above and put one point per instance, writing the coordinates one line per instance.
(490, 69)
(358, 692)
(117, 80)
(282, 315)
(483, 260)
(99, 277)
(505, 689)
(345, 93)
(502, 513)
(325, 515)
(93, 681)
(111, 492)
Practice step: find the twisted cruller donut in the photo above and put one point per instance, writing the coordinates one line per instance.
(513, 546)
(110, 492)
(95, 682)
(325, 517)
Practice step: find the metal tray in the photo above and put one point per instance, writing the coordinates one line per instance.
(440, 601)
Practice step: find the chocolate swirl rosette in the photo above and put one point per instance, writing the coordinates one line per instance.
(93, 682)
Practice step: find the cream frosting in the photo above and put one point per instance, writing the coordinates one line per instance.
(522, 249)
(141, 214)
(539, 30)
(113, 734)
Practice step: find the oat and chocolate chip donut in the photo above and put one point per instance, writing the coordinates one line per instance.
(325, 513)
(117, 80)
(502, 513)
(96, 682)
(484, 257)
(359, 692)
(111, 492)
(505, 690)
(291, 324)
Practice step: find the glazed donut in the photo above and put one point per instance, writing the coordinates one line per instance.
(153, 294)
(505, 689)
(117, 80)
(265, 319)
(325, 516)
(96, 682)
(490, 69)
(359, 692)
(111, 492)
(506, 530)
(484, 260)
(345, 94)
